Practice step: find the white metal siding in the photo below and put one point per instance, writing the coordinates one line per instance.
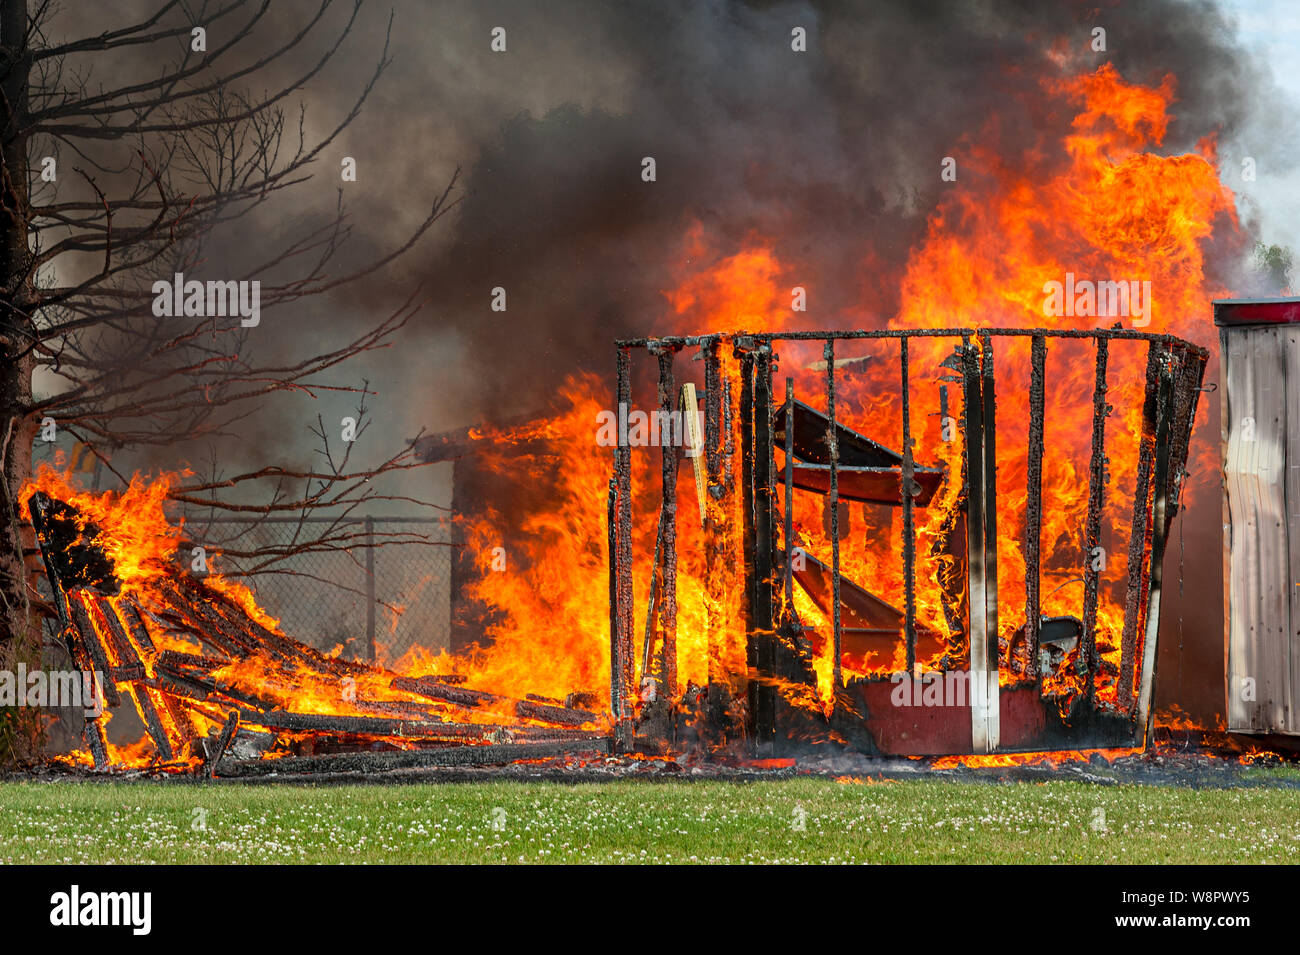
(1261, 461)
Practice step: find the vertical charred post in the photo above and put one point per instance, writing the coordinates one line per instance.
(1140, 529)
(623, 476)
(372, 599)
(1034, 498)
(788, 533)
(97, 740)
(728, 450)
(1096, 499)
(611, 523)
(989, 398)
(762, 635)
(833, 502)
(980, 541)
(748, 515)
(715, 565)
(1188, 375)
(668, 524)
(1160, 516)
(906, 493)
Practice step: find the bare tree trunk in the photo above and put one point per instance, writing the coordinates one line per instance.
(19, 628)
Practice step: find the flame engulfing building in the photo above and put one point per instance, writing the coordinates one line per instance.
(993, 585)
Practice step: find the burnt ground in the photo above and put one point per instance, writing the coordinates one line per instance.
(1194, 760)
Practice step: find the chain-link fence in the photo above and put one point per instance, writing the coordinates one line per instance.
(376, 586)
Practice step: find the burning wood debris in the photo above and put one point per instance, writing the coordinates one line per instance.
(220, 691)
(874, 641)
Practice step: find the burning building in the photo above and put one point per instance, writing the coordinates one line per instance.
(943, 592)
(938, 533)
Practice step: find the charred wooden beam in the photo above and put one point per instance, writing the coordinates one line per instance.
(192, 685)
(787, 535)
(623, 715)
(442, 692)
(222, 744)
(1034, 498)
(750, 547)
(152, 723)
(1140, 530)
(763, 636)
(833, 502)
(209, 625)
(526, 709)
(400, 709)
(988, 389)
(1096, 500)
(97, 742)
(1189, 372)
(715, 563)
(611, 545)
(667, 571)
(1159, 521)
(135, 624)
(123, 650)
(174, 659)
(177, 712)
(656, 573)
(981, 538)
(488, 755)
(907, 493)
(358, 725)
(90, 640)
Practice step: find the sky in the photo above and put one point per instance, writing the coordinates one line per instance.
(1272, 27)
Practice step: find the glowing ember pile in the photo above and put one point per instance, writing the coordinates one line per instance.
(211, 675)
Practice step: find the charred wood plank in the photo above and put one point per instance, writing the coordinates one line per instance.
(1034, 498)
(210, 626)
(357, 725)
(667, 596)
(198, 687)
(833, 502)
(152, 723)
(528, 710)
(135, 624)
(90, 640)
(1160, 523)
(174, 659)
(1096, 499)
(396, 708)
(611, 544)
(459, 695)
(907, 493)
(763, 636)
(122, 647)
(623, 715)
(222, 744)
(97, 741)
(1139, 531)
(499, 754)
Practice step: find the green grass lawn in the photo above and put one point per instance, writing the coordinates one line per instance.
(799, 820)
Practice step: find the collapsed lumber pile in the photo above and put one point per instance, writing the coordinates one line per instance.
(216, 689)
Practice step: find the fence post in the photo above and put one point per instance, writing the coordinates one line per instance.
(370, 587)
